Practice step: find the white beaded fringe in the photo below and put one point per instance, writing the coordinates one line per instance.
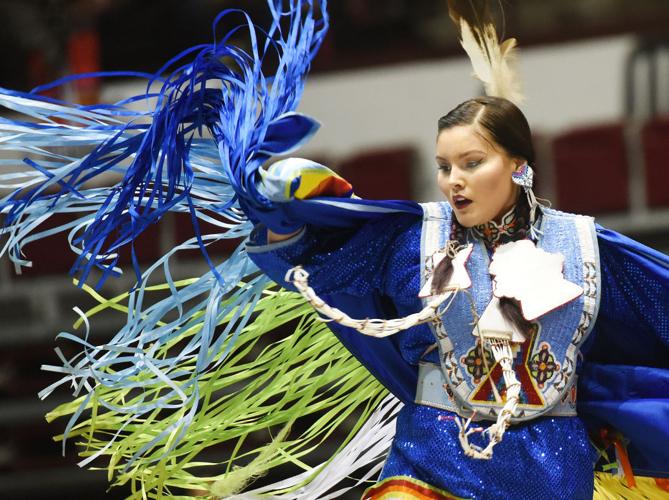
(502, 353)
(372, 327)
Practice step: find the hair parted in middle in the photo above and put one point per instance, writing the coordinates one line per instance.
(501, 119)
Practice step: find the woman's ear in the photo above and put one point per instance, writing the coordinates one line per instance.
(519, 163)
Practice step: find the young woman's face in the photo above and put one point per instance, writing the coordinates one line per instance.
(475, 175)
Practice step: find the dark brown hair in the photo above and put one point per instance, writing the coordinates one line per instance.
(500, 118)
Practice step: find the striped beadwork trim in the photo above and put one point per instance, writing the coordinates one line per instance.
(404, 487)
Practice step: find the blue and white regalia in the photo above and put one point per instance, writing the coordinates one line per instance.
(183, 378)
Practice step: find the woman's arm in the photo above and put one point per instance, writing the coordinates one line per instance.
(273, 237)
(355, 259)
(310, 217)
(624, 382)
(368, 271)
(633, 321)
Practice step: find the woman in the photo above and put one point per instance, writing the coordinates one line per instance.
(152, 400)
(482, 146)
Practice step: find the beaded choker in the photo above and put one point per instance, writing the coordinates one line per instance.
(512, 226)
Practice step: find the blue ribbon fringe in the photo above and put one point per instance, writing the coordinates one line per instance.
(206, 129)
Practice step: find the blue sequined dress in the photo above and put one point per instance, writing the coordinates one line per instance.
(374, 271)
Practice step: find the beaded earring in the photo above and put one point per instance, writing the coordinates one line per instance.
(524, 177)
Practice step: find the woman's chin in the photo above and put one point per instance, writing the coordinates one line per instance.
(468, 221)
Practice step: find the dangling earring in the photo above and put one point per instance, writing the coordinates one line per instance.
(524, 177)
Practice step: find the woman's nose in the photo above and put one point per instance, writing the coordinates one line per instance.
(456, 179)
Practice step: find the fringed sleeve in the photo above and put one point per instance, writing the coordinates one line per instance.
(624, 382)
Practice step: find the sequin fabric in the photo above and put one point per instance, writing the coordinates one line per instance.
(355, 262)
(635, 298)
(545, 458)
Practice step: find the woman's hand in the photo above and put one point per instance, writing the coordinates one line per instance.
(295, 179)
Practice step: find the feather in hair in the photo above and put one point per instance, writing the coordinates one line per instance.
(493, 63)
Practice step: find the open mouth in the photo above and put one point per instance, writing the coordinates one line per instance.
(461, 202)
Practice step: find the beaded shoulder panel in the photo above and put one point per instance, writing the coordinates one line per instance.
(545, 363)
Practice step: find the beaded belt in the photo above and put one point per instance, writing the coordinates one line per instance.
(431, 391)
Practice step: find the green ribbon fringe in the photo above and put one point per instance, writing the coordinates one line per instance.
(259, 389)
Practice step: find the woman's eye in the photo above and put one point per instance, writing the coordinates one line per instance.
(473, 164)
(445, 168)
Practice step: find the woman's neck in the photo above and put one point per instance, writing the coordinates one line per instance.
(511, 226)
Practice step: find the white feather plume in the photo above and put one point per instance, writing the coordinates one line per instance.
(493, 63)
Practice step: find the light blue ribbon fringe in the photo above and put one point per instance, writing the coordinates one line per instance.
(195, 149)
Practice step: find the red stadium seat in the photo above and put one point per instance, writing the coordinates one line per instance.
(381, 174)
(591, 170)
(655, 141)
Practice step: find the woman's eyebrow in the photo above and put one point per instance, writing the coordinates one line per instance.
(466, 153)
(462, 155)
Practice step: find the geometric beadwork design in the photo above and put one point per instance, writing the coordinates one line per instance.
(492, 390)
(476, 363)
(543, 365)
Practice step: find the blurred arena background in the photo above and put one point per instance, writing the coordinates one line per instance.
(596, 79)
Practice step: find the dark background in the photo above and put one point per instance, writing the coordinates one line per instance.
(142, 35)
